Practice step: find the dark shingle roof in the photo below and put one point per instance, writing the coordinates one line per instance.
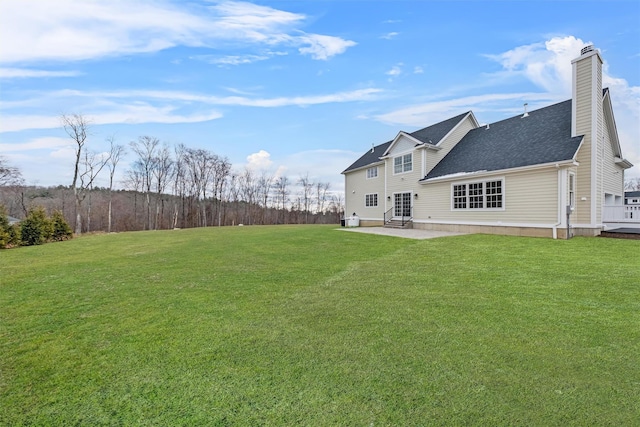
(429, 135)
(370, 157)
(542, 137)
(434, 133)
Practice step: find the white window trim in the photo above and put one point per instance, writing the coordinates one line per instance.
(377, 200)
(371, 168)
(393, 163)
(571, 191)
(484, 195)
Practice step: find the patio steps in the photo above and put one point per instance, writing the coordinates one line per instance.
(394, 223)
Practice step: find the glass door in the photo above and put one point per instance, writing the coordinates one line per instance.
(402, 204)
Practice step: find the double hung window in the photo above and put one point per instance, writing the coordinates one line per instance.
(403, 164)
(478, 195)
(371, 200)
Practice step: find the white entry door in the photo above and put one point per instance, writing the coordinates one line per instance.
(402, 204)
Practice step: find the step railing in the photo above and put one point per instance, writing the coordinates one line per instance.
(388, 215)
(404, 219)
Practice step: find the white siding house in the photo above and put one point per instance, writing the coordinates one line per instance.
(550, 170)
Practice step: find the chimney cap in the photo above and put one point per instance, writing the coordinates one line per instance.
(586, 49)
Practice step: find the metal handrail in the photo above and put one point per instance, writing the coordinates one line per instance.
(404, 219)
(409, 217)
(388, 216)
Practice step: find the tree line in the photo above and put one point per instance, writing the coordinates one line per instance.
(167, 187)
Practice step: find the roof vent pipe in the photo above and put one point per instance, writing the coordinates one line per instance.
(372, 148)
(525, 111)
(487, 126)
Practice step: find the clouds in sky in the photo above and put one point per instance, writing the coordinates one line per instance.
(259, 161)
(155, 106)
(548, 66)
(67, 30)
(170, 62)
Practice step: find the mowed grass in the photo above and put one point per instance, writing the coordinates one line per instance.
(307, 325)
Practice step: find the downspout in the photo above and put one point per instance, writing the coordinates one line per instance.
(385, 192)
(554, 228)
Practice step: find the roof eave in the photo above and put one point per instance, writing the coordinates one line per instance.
(613, 129)
(395, 140)
(623, 163)
(482, 173)
(429, 147)
(368, 165)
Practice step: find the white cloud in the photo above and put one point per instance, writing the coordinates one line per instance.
(14, 123)
(10, 73)
(156, 106)
(429, 113)
(113, 114)
(230, 59)
(389, 36)
(321, 165)
(45, 143)
(418, 70)
(323, 47)
(548, 66)
(395, 71)
(259, 161)
(71, 30)
(145, 113)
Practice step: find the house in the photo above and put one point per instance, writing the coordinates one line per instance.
(549, 172)
(632, 205)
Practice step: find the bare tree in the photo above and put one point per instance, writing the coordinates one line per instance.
(162, 173)
(321, 195)
(199, 169)
(77, 127)
(134, 183)
(115, 153)
(336, 206)
(282, 193)
(179, 182)
(632, 184)
(9, 175)
(91, 165)
(249, 186)
(306, 186)
(220, 175)
(264, 189)
(145, 148)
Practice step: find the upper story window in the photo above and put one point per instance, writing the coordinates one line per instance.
(478, 195)
(403, 164)
(372, 172)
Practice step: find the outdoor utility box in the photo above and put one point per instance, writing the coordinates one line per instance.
(353, 221)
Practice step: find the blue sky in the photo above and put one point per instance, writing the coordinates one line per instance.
(293, 87)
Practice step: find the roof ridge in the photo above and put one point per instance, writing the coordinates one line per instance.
(529, 112)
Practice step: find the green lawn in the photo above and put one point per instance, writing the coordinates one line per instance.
(306, 325)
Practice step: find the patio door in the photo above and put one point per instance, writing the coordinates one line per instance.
(402, 204)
